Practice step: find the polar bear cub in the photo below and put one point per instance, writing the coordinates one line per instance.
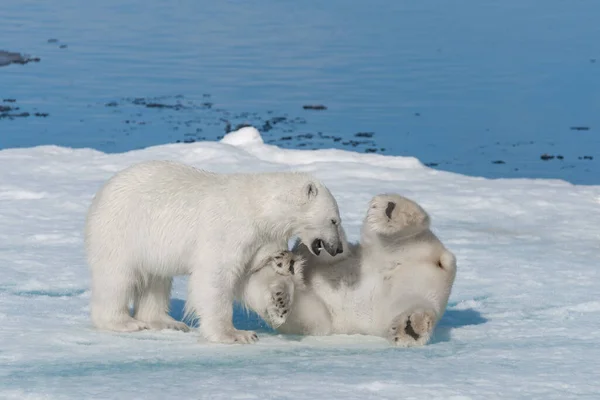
(395, 283)
(159, 219)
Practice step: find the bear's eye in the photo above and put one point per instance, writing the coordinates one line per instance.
(334, 221)
(440, 265)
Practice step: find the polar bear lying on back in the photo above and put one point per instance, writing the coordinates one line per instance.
(395, 283)
(159, 219)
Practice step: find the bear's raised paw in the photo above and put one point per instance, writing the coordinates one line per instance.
(289, 264)
(280, 299)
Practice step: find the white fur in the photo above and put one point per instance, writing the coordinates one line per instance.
(159, 219)
(399, 272)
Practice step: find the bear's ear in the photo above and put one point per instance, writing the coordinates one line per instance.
(310, 190)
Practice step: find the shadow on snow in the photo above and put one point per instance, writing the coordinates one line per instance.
(249, 320)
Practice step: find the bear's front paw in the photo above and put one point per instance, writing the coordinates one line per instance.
(168, 323)
(279, 300)
(412, 328)
(126, 325)
(244, 337)
(233, 336)
(289, 264)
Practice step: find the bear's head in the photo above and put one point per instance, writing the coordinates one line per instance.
(318, 222)
(395, 217)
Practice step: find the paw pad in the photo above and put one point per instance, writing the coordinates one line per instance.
(288, 263)
(408, 329)
(279, 305)
(412, 329)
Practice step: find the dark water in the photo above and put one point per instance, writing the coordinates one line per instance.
(489, 88)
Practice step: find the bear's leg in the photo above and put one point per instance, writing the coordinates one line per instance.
(210, 297)
(151, 304)
(308, 315)
(112, 290)
(412, 328)
(270, 295)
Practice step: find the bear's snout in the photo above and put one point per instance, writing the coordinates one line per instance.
(333, 248)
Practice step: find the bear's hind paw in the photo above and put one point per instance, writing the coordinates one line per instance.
(412, 329)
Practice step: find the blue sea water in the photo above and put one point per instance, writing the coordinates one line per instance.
(482, 88)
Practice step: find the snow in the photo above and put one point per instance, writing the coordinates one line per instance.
(246, 135)
(523, 319)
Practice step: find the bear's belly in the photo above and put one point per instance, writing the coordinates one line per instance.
(351, 308)
(161, 263)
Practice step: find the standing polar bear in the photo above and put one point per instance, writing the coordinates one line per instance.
(395, 283)
(159, 219)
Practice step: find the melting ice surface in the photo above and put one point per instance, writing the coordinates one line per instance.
(483, 88)
(523, 319)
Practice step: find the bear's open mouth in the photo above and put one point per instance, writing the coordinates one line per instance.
(333, 249)
(316, 246)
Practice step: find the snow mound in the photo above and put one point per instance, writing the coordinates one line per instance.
(243, 136)
(523, 319)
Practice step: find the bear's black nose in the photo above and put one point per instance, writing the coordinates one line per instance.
(390, 208)
(333, 248)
